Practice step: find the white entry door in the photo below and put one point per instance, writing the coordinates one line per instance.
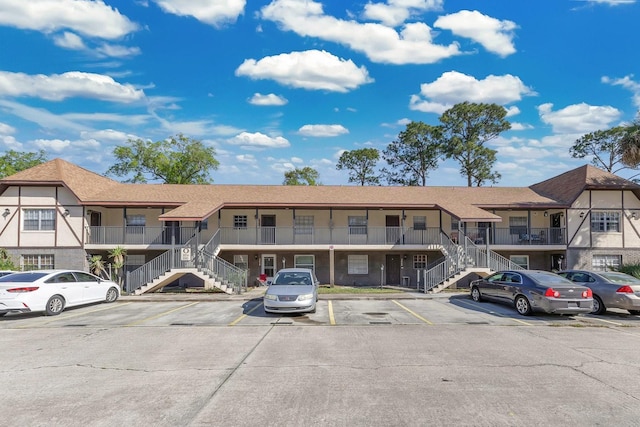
(269, 266)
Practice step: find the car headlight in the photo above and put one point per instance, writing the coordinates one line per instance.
(305, 297)
(270, 297)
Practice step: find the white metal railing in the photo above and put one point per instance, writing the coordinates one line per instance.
(138, 235)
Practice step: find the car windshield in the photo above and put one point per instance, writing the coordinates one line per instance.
(22, 277)
(547, 278)
(620, 278)
(292, 279)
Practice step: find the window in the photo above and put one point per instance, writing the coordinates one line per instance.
(135, 224)
(39, 219)
(358, 264)
(606, 262)
(37, 262)
(419, 262)
(204, 224)
(239, 221)
(419, 222)
(304, 261)
(303, 224)
(605, 221)
(241, 261)
(521, 260)
(357, 225)
(454, 224)
(517, 225)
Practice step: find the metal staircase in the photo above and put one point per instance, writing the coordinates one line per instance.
(188, 259)
(460, 261)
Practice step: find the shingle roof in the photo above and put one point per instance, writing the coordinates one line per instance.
(567, 187)
(195, 202)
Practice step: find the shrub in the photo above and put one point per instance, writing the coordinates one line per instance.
(631, 269)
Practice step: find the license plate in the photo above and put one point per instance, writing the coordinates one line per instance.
(572, 304)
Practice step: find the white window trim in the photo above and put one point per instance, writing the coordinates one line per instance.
(511, 257)
(313, 257)
(358, 264)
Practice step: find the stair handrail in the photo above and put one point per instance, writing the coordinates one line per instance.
(224, 271)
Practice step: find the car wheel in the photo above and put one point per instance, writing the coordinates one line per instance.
(522, 305)
(2, 314)
(475, 294)
(314, 309)
(112, 295)
(598, 306)
(634, 312)
(55, 305)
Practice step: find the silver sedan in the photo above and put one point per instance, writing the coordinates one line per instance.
(610, 289)
(293, 290)
(534, 290)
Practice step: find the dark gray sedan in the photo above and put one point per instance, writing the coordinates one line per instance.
(610, 289)
(534, 290)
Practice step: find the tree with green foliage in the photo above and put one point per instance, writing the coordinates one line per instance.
(465, 129)
(176, 160)
(6, 263)
(412, 155)
(604, 147)
(305, 176)
(118, 255)
(630, 144)
(15, 161)
(361, 165)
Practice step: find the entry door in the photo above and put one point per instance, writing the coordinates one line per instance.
(393, 270)
(556, 230)
(268, 229)
(171, 231)
(392, 222)
(268, 266)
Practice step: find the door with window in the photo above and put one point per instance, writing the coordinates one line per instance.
(268, 266)
(268, 229)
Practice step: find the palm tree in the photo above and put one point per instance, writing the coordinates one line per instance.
(118, 254)
(630, 145)
(97, 266)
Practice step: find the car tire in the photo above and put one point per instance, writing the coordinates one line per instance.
(112, 295)
(55, 305)
(598, 306)
(314, 309)
(634, 312)
(522, 305)
(475, 294)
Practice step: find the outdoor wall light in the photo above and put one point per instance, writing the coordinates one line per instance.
(66, 212)
(255, 257)
(581, 215)
(546, 213)
(6, 212)
(634, 215)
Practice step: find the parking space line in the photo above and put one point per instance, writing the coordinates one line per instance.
(71, 315)
(245, 315)
(495, 313)
(411, 312)
(137, 322)
(606, 321)
(332, 318)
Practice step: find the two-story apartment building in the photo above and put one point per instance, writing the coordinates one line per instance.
(57, 215)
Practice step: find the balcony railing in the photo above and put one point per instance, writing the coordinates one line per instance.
(139, 235)
(358, 235)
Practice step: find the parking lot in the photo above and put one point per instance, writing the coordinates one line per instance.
(331, 310)
(397, 361)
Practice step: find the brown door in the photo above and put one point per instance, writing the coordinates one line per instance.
(392, 222)
(393, 270)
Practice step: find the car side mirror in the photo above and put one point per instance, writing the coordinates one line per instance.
(268, 282)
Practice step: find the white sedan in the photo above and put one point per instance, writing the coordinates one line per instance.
(52, 291)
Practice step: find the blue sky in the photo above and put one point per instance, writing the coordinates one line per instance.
(279, 84)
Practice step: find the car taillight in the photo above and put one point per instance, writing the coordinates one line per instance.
(626, 289)
(552, 293)
(23, 289)
(587, 294)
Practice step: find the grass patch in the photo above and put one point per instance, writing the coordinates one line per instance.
(354, 290)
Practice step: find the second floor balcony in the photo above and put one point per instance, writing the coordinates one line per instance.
(354, 235)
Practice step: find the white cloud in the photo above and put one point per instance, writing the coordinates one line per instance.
(512, 111)
(42, 117)
(6, 129)
(132, 120)
(69, 40)
(91, 18)
(627, 83)
(495, 35)
(453, 87)
(58, 87)
(311, 69)
(578, 118)
(412, 45)
(611, 2)
(108, 135)
(258, 140)
(117, 51)
(520, 126)
(322, 130)
(395, 12)
(212, 12)
(267, 100)
(56, 145)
